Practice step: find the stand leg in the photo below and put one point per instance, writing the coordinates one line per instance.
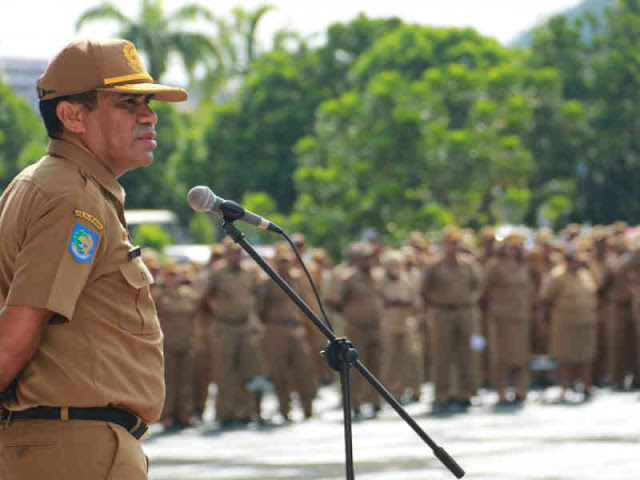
(346, 407)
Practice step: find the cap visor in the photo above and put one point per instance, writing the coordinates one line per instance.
(162, 93)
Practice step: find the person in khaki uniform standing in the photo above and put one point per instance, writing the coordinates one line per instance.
(316, 339)
(204, 337)
(360, 301)
(488, 251)
(231, 295)
(284, 342)
(177, 307)
(571, 294)
(623, 340)
(450, 288)
(399, 301)
(78, 327)
(508, 293)
(603, 262)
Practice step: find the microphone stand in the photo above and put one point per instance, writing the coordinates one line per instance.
(341, 356)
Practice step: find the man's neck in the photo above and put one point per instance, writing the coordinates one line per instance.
(76, 140)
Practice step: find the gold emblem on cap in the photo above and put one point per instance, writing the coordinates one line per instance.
(132, 57)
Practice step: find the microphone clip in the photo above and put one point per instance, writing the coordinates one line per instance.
(231, 210)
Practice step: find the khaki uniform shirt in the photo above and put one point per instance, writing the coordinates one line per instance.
(177, 308)
(64, 247)
(396, 318)
(573, 297)
(275, 306)
(450, 284)
(360, 298)
(232, 293)
(509, 288)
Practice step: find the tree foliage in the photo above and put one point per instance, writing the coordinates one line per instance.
(387, 125)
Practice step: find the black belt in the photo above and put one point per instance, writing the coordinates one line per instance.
(450, 306)
(128, 421)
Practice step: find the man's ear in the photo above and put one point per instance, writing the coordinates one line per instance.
(72, 115)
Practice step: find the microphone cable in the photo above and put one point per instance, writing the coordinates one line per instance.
(313, 285)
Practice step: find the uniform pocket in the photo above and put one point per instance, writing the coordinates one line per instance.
(141, 314)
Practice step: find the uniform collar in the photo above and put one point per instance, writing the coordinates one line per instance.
(88, 164)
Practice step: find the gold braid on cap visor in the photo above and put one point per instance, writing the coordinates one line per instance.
(128, 78)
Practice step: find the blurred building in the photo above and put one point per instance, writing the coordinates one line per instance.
(21, 74)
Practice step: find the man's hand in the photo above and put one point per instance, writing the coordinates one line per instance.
(20, 337)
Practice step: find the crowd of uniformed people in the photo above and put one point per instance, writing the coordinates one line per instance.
(502, 309)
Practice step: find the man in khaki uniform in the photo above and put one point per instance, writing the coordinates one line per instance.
(359, 299)
(204, 338)
(623, 338)
(177, 307)
(418, 261)
(285, 343)
(508, 293)
(231, 295)
(603, 262)
(78, 327)
(486, 254)
(398, 327)
(316, 339)
(570, 293)
(450, 289)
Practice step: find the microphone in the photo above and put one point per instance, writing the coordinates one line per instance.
(202, 199)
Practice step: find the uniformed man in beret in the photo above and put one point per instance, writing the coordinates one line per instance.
(79, 334)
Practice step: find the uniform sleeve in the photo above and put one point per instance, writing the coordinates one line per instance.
(211, 285)
(475, 280)
(56, 253)
(550, 288)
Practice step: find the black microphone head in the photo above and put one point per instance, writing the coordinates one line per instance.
(202, 199)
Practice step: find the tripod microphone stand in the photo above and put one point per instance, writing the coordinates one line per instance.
(341, 356)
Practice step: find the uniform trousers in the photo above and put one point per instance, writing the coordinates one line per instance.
(624, 340)
(451, 330)
(601, 364)
(179, 373)
(236, 360)
(69, 450)
(366, 340)
(204, 366)
(289, 355)
(402, 366)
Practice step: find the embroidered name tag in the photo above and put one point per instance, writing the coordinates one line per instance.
(89, 218)
(83, 243)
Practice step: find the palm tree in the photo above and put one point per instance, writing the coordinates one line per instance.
(158, 36)
(238, 39)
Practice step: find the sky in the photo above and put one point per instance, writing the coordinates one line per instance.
(39, 28)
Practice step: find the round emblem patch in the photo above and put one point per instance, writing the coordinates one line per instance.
(83, 243)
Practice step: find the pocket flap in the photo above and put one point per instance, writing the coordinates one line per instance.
(136, 273)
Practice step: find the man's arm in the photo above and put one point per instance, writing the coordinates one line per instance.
(20, 337)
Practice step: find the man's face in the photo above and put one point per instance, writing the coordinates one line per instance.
(450, 247)
(121, 131)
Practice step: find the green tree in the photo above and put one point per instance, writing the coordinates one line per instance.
(22, 135)
(151, 236)
(159, 35)
(611, 174)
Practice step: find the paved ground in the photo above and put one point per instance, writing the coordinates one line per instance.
(545, 440)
